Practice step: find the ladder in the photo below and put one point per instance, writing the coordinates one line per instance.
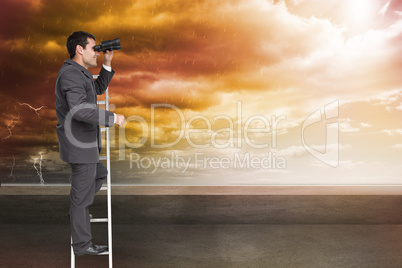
(106, 188)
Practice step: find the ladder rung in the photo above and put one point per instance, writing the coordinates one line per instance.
(103, 188)
(101, 102)
(102, 158)
(100, 220)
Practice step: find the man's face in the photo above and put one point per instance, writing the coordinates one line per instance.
(89, 54)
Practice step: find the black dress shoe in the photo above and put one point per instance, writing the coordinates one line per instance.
(95, 250)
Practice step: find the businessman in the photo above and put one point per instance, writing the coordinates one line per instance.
(78, 132)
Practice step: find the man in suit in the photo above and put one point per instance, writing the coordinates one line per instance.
(78, 132)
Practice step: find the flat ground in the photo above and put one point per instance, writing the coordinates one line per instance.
(214, 227)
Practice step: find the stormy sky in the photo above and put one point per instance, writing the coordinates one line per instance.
(217, 92)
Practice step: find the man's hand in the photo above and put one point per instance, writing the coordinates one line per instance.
(120, 120)
(107, 58)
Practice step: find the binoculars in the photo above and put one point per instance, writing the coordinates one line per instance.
(108, 45)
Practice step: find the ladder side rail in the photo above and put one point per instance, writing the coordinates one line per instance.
(72, 255)
(109, 188)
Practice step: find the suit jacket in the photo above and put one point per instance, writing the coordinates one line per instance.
(78, 116)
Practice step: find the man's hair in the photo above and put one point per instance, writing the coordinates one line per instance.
(77, 38)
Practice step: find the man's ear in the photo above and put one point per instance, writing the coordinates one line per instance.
(79, 50)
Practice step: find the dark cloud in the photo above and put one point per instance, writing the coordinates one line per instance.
(191, 54)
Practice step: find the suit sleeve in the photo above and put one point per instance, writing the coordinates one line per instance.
(103, 80)
(80, 108)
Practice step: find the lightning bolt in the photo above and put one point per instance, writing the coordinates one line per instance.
(11, 125)
(16, 119)
(12, 169)
(35, 109)
(39, 171)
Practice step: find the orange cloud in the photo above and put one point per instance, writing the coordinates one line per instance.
(275, 57)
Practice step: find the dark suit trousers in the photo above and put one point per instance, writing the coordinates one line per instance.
(86, 181)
